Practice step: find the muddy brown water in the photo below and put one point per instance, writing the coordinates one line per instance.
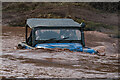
(48, 64)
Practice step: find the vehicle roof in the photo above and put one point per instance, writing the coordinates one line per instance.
(43, 22)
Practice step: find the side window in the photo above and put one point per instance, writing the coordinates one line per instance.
(30, 39)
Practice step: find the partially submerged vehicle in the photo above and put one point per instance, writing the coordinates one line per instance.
(55, 33)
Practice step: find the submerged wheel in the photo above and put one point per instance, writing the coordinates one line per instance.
(20, 46)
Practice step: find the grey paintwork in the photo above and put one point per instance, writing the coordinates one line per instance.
(38, 22)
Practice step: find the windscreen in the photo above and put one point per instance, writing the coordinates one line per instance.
(58, 34)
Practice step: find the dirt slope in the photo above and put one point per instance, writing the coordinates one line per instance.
(17, 16)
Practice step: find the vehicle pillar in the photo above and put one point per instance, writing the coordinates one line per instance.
(82, 37)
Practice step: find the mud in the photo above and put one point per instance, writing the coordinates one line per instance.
(53, 64)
